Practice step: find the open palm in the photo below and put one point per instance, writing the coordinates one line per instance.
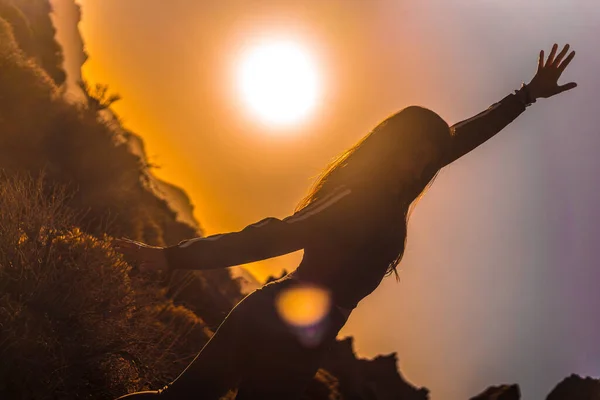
(545, 82)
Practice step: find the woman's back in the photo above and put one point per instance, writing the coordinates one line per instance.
(350, 252)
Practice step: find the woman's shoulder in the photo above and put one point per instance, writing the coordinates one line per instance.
(363, 212)
(346, 210)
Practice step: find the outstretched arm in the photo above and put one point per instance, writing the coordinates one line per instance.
(472, 132)
(267, 238)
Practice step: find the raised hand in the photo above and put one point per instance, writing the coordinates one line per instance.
(545, 82)
(151, 259)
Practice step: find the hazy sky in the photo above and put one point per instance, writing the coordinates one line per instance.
(499, 282)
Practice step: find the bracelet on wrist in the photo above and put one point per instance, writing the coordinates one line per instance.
(525, 95)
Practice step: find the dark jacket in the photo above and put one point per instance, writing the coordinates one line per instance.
(339, 253)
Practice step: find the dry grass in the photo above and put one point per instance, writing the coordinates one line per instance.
(72, 322)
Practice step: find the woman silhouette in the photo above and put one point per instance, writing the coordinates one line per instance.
(352, 227)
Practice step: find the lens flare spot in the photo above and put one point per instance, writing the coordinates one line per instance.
(303, 305)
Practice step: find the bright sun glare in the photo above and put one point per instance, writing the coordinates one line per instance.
(278, 81)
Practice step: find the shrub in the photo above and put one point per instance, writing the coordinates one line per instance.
(72, 321)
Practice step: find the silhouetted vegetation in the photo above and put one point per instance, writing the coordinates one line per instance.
(34, 32)
(76, 322)
(73, 320)
(97, 97)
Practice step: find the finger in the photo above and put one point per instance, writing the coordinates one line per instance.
(551, 55)
(120, 241)
(125, 245)
(566, 87)
(541, 61)
(118, 246)
(564, 64)
(125, 239)
(131, 244)
(560, 55)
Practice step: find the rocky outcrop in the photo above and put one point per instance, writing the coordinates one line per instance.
(377, 378)
(575, 387)
(502, 392)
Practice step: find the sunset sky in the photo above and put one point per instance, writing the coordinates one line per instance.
(499, 282)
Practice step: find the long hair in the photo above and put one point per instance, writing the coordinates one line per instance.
(368, 163)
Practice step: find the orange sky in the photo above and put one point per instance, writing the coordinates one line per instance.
(483, 296)
(235, 169)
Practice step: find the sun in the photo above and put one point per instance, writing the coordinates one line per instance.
(278, 81)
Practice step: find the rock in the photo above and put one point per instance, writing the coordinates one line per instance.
(575, 387)
(502, 392)
(376, 379)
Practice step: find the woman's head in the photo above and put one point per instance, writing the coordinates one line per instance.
(410, 146)
(399, 157)
(396, 161)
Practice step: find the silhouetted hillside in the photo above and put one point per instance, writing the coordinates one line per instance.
(149, 339)
(34, 33)
(176, 197)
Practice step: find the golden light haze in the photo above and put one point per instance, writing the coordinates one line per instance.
(236, 168)
(501, 259)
